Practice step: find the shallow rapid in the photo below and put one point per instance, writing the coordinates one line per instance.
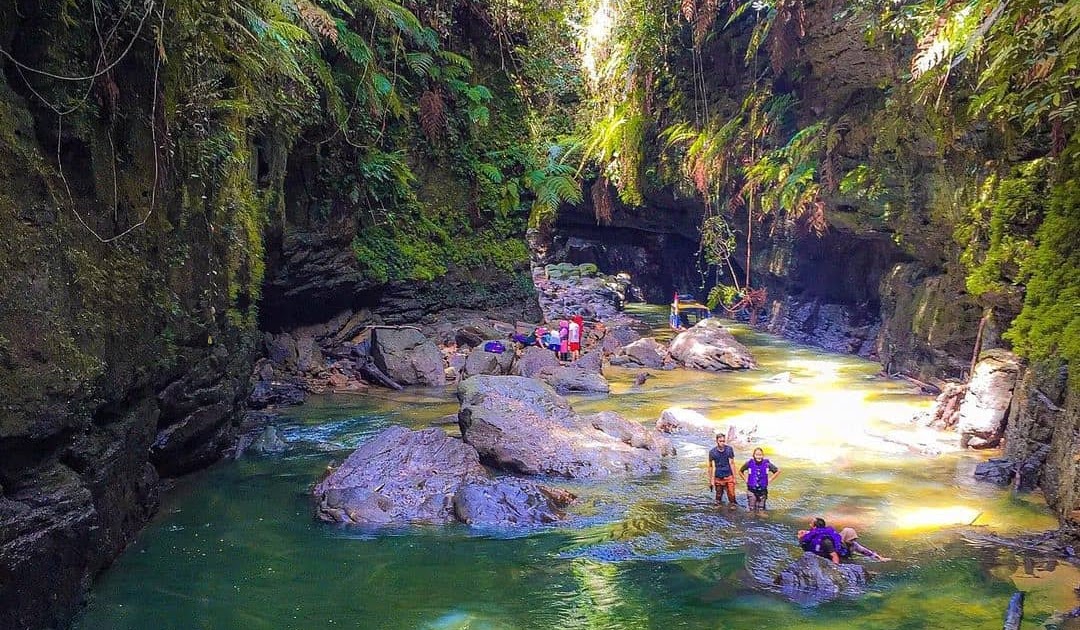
(236, 546)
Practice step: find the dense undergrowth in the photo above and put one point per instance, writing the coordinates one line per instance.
(442, 131)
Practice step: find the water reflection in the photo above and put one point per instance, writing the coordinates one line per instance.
(236, 546)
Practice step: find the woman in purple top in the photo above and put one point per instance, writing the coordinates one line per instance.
(762, 472)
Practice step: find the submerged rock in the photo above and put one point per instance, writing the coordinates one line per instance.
(522, 425)
(812, 579)
(402, 476)
(509, 502)
(268, 442)
(709, 346)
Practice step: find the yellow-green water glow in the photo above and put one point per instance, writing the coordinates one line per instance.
(236, 546)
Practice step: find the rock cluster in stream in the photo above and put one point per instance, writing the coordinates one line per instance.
(512, 424)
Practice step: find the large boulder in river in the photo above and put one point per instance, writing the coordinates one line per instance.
(407, 357)
(574, 378)
(986, 403)
(402, 476)
(646, 353)
(534, 359)
(616, 337)
(522, 425)
(481, 361)
(812, 579)
(709, 346)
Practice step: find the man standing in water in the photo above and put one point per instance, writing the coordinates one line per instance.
(722, 470)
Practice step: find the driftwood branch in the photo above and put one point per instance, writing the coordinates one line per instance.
(373, 374)
(1015, 612)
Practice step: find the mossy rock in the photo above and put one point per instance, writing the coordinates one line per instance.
(588, 269)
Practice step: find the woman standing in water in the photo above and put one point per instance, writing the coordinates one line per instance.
(762, 473)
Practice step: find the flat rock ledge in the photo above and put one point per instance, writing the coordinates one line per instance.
(521, 425)
(403, 477)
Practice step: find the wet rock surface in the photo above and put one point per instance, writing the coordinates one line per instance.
(709, 346)
(986, 403)
(574, 378)
(408, 477)
(643, 353)
(522, 425)
(812, 579)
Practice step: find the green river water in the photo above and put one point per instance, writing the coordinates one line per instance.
(236, 546)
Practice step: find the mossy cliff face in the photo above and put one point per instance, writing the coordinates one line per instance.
(123, 348)
(442, 227)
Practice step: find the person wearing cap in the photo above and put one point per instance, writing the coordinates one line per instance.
(850, 539)
(722, 470)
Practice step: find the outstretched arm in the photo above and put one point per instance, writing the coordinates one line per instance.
(866, 551)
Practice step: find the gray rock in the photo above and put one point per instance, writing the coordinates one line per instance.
(647, 353)
(399, 476)
(709, 346)
(281, 350)
(503, 502)
(402, 476)
(592, 362)
(986, 403)
(616, 337)
(275, 393)
(812, 579)
(631, 433)
(482, 362)
(268, 442)
(533, 360)
(309, 357)
(688, 421)
(407, 357)
(998, 471)
(522, 425)
(572, 378)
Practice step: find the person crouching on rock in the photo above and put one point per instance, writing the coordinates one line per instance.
(822, 540)
(849, 538)
(762, 473)
(722, 470)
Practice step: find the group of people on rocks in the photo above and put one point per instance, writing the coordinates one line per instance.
(758, 472)
(565, 342)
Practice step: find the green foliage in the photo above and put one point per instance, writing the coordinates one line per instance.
(863, 182)
(722, 294)
(1049, 324)
(996, 233)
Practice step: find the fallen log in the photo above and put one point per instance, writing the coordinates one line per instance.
(373, 374)
(1015, 612)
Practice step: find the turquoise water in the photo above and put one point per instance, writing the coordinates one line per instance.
(236, 546)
